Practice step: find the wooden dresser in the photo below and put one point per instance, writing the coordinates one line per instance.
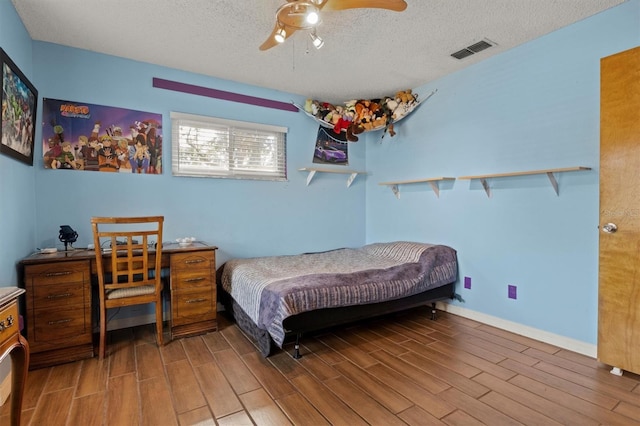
(59, 299)
(12, 343)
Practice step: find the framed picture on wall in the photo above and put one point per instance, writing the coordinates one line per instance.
(19, 104)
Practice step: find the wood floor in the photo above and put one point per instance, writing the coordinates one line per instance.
(404, 369)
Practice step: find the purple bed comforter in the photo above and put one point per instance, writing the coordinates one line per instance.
(269, 289)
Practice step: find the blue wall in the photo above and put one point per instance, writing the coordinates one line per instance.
(242, 217)
(533, 107)
(17, 180)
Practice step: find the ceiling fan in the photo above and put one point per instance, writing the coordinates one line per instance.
(305, 15)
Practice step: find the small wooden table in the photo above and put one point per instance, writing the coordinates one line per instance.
(12, 342)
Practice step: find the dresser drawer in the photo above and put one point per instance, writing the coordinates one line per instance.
(191, 260)
(54, 324)
(55, 273)
(193, 304)
(9, 319)
(57, 295)
(191, 279)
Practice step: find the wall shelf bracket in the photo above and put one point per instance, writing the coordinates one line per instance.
(554, 182)
(435, 187)
(352, 176)
(312, 173)
(396, 190)
(486, 187)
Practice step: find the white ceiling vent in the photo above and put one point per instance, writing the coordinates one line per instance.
(470, 50)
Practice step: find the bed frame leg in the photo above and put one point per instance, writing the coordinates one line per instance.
(296, 348)
(434, 313)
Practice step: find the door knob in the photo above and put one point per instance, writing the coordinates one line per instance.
(610, 228)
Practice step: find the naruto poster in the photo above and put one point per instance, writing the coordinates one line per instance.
(82, 136)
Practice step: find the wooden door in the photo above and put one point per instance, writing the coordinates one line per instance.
(619, 260)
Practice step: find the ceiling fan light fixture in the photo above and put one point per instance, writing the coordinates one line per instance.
(280, 35)
(296, 15)
(317, 41)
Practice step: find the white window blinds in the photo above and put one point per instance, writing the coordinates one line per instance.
(214, 147)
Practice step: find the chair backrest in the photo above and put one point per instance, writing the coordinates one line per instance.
(135, 244)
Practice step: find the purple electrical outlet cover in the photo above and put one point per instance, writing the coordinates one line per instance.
(513, 292)
(467, 282)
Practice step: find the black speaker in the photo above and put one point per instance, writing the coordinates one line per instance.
(67, 235)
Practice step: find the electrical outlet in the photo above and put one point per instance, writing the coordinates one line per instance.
(513, 293)
(467, 282)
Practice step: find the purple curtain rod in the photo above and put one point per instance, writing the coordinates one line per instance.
(221, 94)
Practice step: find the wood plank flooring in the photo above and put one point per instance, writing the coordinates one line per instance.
(402, 369)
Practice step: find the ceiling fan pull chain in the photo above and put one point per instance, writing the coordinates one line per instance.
(293, 54)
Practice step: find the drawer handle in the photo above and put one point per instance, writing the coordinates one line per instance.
(188, 262)
(198, 300)
(59, 321)
(6, 325)
(57, 274)
(9, 322)
(57, 296)
(194, 280)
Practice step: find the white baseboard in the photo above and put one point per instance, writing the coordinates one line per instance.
(5, 389)
(523, 330)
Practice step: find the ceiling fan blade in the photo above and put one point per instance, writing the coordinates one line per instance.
(395, 5)
(271, 41)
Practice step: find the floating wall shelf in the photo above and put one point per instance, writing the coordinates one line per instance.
(548, 172)
(312, 172)
(433, 182)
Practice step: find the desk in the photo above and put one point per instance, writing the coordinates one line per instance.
(59, 302)
(12, 342)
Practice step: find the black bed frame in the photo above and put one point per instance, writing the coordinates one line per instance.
(306, 322)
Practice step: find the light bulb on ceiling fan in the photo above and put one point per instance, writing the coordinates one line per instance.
(313, 17)
(280, 35)
(317, 41)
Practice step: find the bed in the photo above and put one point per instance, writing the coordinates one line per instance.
(272, 298)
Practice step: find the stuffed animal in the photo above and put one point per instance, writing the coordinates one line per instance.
(405, 96)
(324, 108)
(351, 136)
(308, 106)
(350, 110)
(405, 102)
(314, 108)
(378, 114)
(334, 115)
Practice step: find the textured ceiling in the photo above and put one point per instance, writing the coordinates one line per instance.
(368, 53)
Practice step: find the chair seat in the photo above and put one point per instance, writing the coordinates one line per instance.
(130, 292)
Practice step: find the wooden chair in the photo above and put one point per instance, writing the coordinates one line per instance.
(128, 266)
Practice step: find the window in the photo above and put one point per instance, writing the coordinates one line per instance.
(214, 147)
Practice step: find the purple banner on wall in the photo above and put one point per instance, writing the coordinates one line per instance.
(82, 136)
(221, 94)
